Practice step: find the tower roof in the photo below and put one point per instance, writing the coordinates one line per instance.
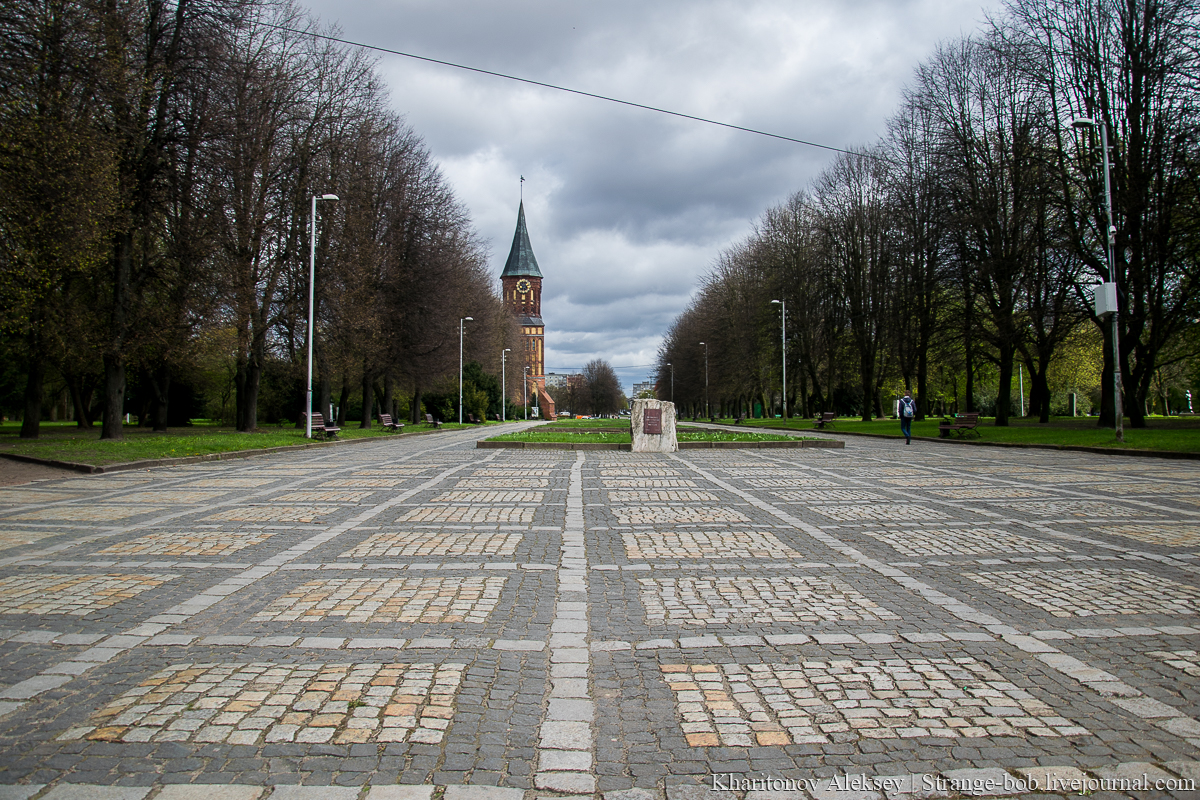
(520, 256)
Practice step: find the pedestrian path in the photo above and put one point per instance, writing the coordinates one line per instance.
(422, 620)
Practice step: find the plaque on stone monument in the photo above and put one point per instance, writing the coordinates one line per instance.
(652, 421)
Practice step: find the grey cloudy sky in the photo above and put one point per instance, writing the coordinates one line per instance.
(626, 208)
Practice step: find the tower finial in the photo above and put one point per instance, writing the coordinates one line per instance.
(522, 188)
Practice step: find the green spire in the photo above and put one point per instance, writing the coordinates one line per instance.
(520, 256)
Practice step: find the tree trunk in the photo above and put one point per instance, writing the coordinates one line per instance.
(114, 396)
(867, 366)
(82, 405)
(416, 404)
(160, 385)
(345, 399)
(969, 385)
(1004, 390)
(389, 397)
(326, 396)
(32, 420)
(1041, 390)
(923, 401)
(368, 392)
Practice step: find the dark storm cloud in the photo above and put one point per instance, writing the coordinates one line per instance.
(626, 208)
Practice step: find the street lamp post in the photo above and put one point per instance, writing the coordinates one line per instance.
(705, 381)
(312, 279)
(461, 325)
(783, 340)
(1118, 413)
(503, 387)
(525, 393)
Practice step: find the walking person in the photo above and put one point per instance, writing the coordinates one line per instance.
(908, 410)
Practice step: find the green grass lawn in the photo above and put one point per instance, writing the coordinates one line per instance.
(62, 441)
(684, 434)
(1178, 434)
(618, 422)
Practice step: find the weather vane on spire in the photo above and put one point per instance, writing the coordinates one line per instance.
(522, 188)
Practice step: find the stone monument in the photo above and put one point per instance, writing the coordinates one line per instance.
(653, 427)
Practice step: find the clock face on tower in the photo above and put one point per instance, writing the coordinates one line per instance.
(523, 286)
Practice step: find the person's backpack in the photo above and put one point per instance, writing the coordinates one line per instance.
(907, 408)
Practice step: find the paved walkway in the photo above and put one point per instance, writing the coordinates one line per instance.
(419, 619)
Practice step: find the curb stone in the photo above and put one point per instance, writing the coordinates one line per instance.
(93, 469)
(1104, 451)
(486, 444)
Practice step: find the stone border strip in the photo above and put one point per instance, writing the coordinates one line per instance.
(1060, 779)
(565, 741)
(488, 444)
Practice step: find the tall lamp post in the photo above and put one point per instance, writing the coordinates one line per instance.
(705, 380)
(783, 340)
(312, 279)
(1118, 412)
(461, 326)
(525, 393)
(503, 387)
(672, 383)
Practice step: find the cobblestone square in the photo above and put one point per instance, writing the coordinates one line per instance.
(667, 515)
(960, 542)
(763, 600)
(1094, 592)
(272, 514)
(649, 545)
(891, 512)
(661, 496)
(471, 515)
(262, 703)
(1076, 508)
(74, 513)
(734, 705)
(436, 543)
(21, 497)
(76, 595)
(16, 538)
(1165, 535)
(432, 600)
(189, 543)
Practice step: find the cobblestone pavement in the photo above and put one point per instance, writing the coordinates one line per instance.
(417, 619)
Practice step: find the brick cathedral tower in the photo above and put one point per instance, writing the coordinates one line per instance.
(522, 286)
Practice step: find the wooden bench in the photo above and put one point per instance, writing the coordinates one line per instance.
(320, 427)
(826, 419)
(429, 418)
(386, 421)
(961, 424)
(471, 419)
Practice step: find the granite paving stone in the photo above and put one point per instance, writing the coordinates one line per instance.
(415, 618)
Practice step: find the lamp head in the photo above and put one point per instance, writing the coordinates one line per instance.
(776, 302)
(468, 319)
(1083, 122)
(702, 343)
(506, 350)
(329, 197)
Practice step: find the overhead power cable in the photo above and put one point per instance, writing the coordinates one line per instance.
(567, 89)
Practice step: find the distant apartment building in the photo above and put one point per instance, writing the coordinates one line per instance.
(560, 380)
(647, 386)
